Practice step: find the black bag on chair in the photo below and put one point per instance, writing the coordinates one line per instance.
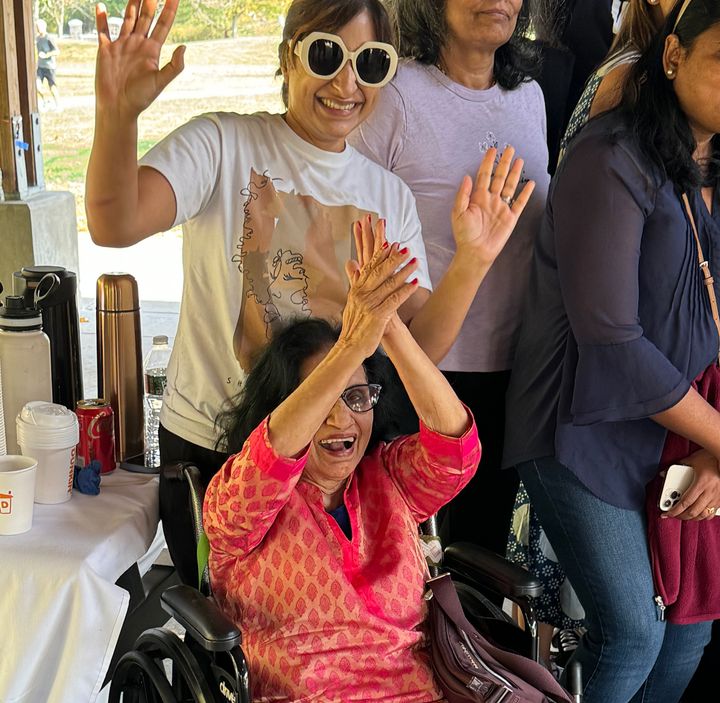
(470, 669)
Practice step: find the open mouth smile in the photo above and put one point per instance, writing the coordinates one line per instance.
(338, 446)
(337, 106)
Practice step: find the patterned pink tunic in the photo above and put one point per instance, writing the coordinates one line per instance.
(325, 618)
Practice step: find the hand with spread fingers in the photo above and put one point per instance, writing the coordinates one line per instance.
(378, 287)
(484, 215)
(128, 76)
(702, 499)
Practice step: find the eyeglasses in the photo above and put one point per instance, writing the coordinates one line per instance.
(324, 56)
(362, 397)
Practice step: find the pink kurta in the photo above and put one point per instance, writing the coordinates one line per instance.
(325, 618)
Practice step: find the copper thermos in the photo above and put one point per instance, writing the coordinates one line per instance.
(119, 359)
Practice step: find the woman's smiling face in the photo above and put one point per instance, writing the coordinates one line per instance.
(324, 112)
(342, 440)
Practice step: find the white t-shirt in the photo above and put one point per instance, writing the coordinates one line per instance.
(431, 131)
(266, 232)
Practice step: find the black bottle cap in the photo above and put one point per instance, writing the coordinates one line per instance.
(16, 316)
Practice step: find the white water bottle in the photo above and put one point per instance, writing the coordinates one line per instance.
(3, 443)
(155, 371)
(25, 363)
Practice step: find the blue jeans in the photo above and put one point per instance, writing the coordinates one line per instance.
(628, 654)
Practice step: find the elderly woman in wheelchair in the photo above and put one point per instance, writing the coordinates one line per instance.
(313, 524)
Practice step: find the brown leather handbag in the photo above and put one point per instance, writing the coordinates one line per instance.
(469, 669)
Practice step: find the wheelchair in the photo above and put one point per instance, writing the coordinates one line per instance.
(209, 666)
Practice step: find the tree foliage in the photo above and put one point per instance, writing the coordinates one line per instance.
(196, 19)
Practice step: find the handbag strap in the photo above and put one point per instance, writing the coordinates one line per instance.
(705, 268)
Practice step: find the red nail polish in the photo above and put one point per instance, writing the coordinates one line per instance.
(414, 282)
(404, 250)
(385, 246)
(412, 261)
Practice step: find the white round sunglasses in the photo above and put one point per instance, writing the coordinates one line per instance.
(324, 55)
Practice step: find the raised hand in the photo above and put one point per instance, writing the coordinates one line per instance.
(484, 216)
(128, 76)
(368, 239)
(377, 289)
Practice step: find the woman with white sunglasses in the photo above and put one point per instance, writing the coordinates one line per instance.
(267, 204)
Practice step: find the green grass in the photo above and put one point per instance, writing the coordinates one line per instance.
(66, 165)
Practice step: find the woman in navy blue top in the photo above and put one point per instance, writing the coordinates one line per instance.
(617, 325)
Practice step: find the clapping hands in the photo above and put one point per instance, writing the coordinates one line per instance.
(378, 286)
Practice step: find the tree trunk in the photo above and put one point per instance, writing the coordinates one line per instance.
(233, 32)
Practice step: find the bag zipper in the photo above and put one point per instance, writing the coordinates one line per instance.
(490, 671)
(660, 606)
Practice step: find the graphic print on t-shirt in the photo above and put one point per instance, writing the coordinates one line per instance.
(292, 254)
(492, 142)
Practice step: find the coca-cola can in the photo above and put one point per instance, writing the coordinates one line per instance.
(97, 434)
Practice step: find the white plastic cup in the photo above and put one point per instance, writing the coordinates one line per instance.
(17, 491)
(49, 432)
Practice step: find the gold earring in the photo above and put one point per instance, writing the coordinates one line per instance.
(670, 73)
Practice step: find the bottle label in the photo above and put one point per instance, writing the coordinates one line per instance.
(155, 383)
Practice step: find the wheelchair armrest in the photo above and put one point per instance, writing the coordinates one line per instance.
(201, 618)
(477, 565)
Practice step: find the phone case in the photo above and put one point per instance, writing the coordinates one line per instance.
(677, 480)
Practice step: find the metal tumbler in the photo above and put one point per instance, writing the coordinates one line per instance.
(119, 359)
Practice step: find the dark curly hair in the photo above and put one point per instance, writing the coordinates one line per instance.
(656, 120)
(422, 30)
(276, 374)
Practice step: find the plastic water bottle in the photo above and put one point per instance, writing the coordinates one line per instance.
(155, 370)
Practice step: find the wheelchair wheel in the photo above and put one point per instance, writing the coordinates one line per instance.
(138, 679)
(189, 683)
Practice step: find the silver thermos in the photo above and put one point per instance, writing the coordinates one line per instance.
(119, 359)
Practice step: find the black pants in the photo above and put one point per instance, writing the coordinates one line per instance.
(174, 505)
(482, 512)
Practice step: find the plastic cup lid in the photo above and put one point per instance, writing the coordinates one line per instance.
(44, 414)
(49, 425)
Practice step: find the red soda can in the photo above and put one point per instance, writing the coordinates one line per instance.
(97, 434)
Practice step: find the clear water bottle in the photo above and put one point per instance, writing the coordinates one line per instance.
(155, 371)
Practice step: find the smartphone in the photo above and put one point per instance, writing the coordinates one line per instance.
(678, 479)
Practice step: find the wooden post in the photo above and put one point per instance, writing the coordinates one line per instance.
(9, 100)
(27, 66)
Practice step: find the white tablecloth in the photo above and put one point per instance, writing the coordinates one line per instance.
(60, 610)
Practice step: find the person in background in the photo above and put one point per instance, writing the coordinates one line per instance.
(642, 19)
(617, 326)
(325, 479)
(466, 87)
(267, 204)
(573, 37)
(558, 606)
(47, 52)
